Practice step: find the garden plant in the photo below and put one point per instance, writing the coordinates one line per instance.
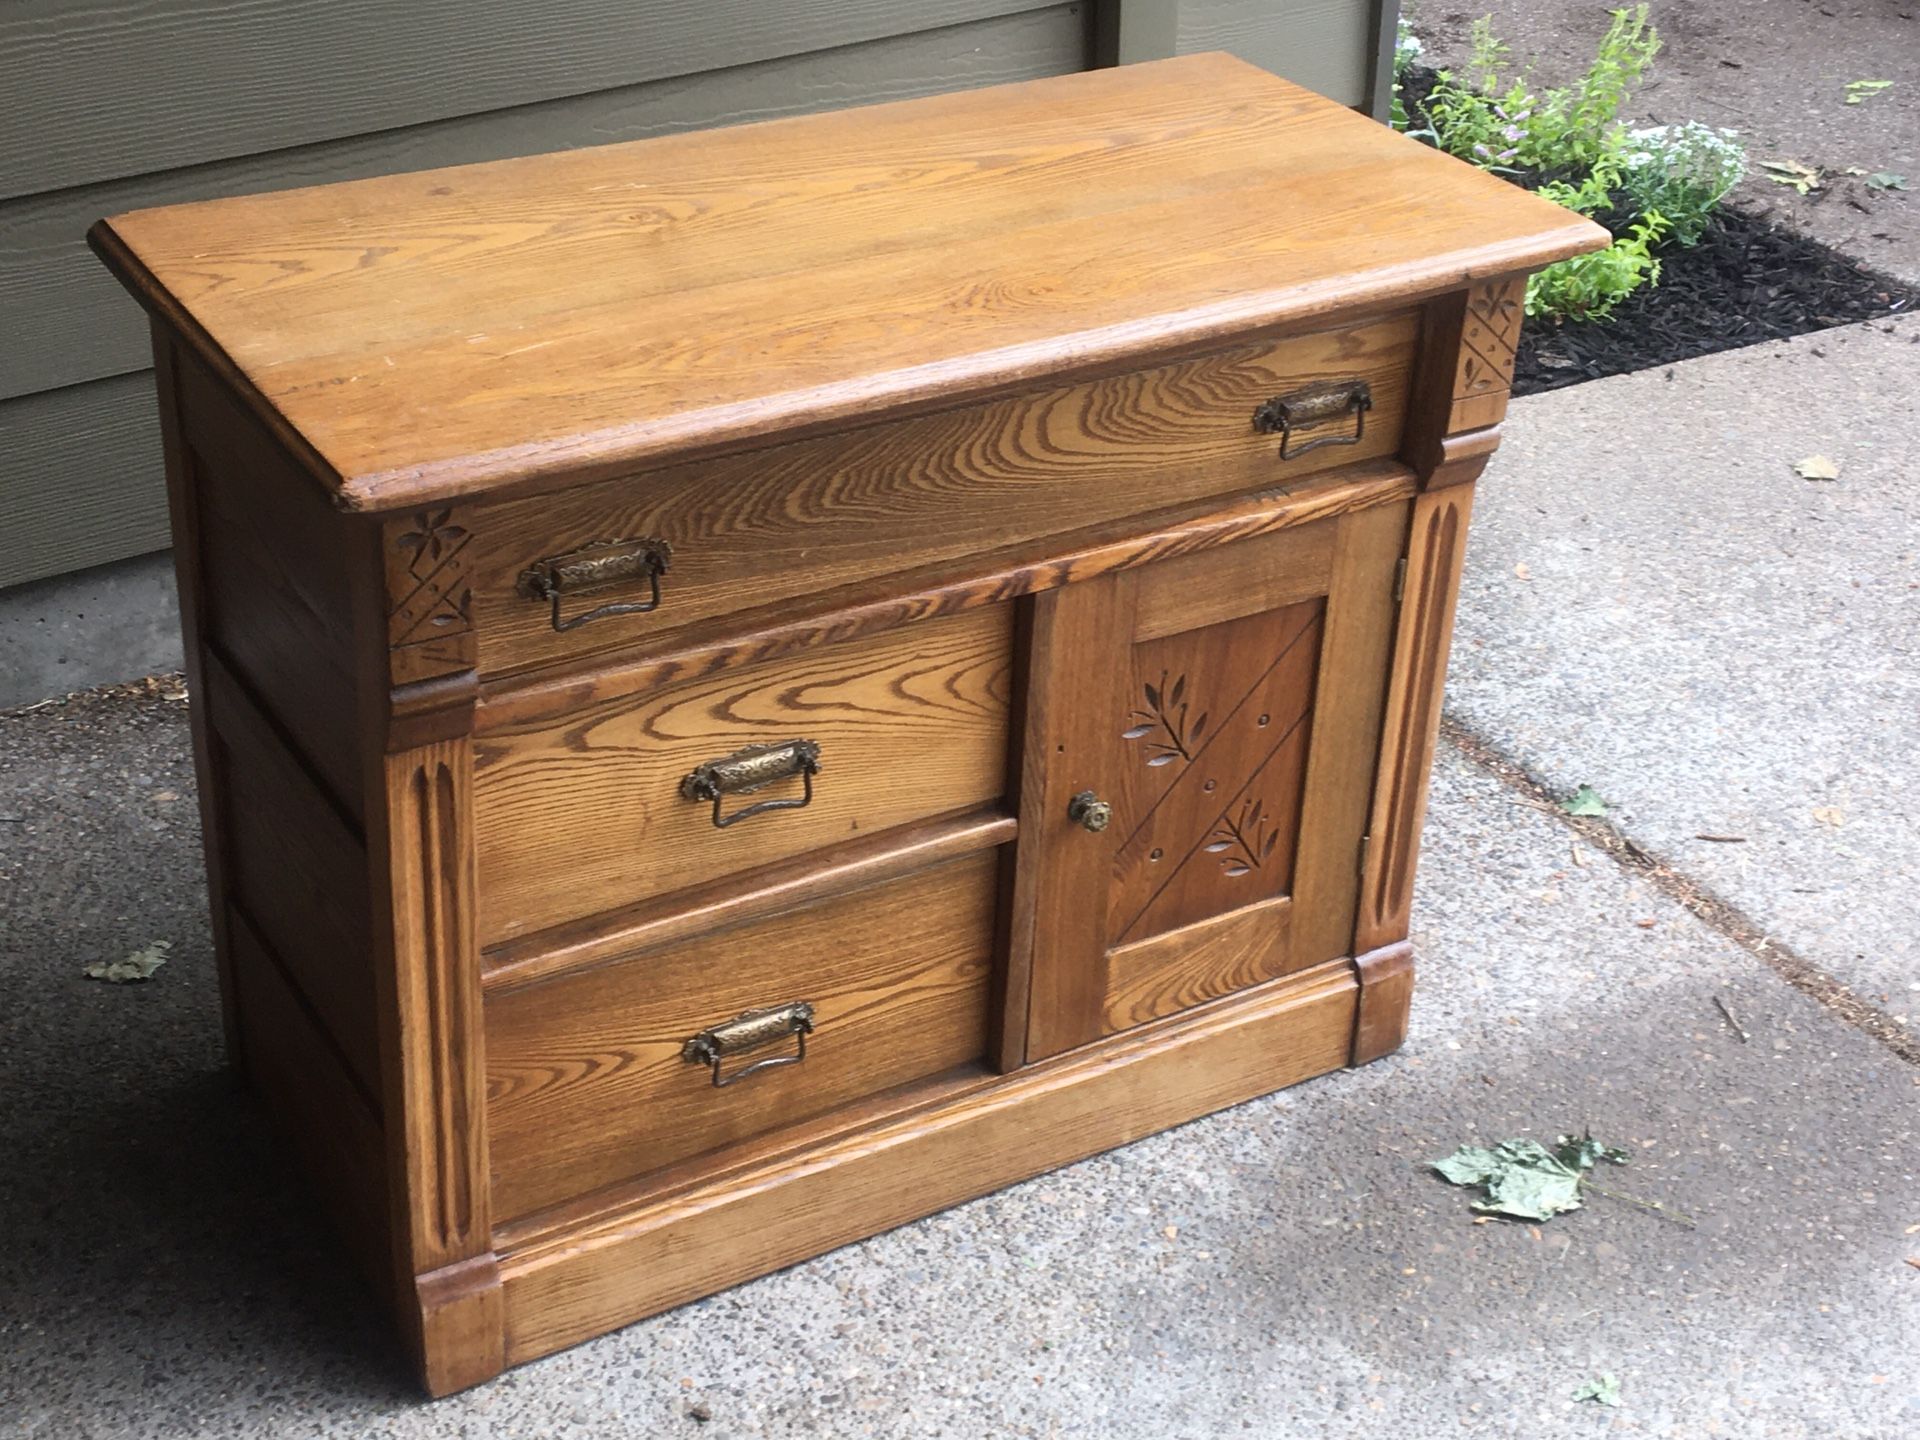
(1652, 188)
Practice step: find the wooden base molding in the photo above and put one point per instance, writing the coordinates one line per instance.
(581, 1282)
(1386, 996)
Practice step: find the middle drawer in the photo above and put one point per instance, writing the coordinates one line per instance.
(616, 803)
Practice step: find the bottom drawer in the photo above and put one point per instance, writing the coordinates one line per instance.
(588, 1082)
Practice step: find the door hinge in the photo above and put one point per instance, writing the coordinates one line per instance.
(1366, 843)
(1400, 580)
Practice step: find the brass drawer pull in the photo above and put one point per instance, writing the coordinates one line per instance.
(1315, 405)
(749, 1032)
(595, 567)
(751, 769)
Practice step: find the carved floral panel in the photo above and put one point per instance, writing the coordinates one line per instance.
(1217, 749)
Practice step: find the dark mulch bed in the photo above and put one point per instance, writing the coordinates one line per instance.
(1747, 280)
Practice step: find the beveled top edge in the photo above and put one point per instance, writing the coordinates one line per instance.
(1280, 193)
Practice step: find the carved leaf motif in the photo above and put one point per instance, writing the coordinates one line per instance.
(1245, 840)
(1166, 718)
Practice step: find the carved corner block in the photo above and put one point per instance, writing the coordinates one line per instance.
(432, 648)
(1386, 998)
(1465, 381)
(1489, 340)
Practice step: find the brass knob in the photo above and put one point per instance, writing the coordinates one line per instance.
(1089, 811)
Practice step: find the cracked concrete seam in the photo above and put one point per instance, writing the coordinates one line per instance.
(1723, 917)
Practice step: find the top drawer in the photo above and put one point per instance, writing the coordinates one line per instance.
(794, 521)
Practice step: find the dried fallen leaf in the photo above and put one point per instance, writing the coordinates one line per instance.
(1524, 1179)
(1791, 172)
(1817, 467)
(136, 967)
(1829, 815)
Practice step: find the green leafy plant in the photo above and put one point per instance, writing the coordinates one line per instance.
(1683, 172)
(1588, 287)
(1498, 121)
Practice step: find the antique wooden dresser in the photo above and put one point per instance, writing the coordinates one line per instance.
(753, 685)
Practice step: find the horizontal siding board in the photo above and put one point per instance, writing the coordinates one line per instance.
(70, 321)
(122, 87)
(80, 478)
(1325, 45)
(80, 471)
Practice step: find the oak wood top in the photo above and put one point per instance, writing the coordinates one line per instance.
(528, 322)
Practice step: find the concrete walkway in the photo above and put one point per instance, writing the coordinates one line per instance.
(1695, 647)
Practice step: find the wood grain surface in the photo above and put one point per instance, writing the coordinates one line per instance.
(70, 322)
(533, 321)
(803, 521)
(1237, 754)
(298, 870)
(586, 1081)
(587, 815)
(764, 632)
(275, 600)
(1180, 969)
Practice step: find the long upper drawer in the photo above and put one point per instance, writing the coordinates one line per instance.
(557, 577)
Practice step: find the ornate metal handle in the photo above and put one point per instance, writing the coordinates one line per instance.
(595, 567)
(751, 769)
(749, 1032)
(1315, 405)
(1089, 811)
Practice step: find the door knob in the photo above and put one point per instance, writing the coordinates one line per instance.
(1089, 811)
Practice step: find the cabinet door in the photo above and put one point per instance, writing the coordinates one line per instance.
(1220, 713)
